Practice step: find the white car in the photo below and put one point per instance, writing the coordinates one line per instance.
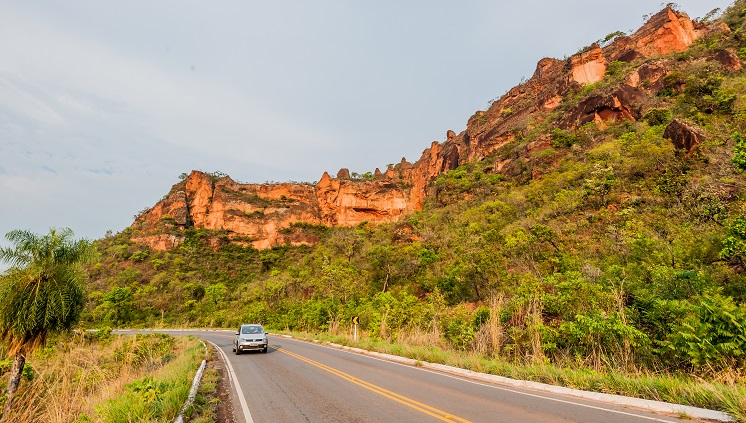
(250, 337)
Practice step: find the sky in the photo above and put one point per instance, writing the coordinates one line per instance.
(103, 104)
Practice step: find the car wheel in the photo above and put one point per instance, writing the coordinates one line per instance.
(238, 352)
(264, 350)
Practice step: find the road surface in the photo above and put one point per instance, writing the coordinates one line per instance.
(297, 381)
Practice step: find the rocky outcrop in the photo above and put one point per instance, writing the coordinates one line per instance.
(588, 67)
(684, 136)
(617, 105)
(728, 60)
(649, 75)
(668, 31)
(264, 215)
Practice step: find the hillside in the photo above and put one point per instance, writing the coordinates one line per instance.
(592, 218)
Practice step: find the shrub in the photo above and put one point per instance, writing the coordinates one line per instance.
(139, 256)
(655, 117)
(562, 138)
(742, 53)
(598, 335)
(714, 334)
(739, 152)
(704, 90)
(734, 244)
(610, 38)
(615, 68)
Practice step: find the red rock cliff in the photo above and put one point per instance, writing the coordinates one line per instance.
(268, 214)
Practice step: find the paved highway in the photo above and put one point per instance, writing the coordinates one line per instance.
(297, 381)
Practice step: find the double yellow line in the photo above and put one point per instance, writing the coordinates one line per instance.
(424, 408)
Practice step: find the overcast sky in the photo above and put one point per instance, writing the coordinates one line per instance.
(103, 104)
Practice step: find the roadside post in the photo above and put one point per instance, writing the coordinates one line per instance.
(354, 328)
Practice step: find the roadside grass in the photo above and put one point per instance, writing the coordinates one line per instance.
(99, 377)
(727, 394)
(205, 406)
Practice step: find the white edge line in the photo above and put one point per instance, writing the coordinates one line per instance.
(234, 382)
(468, 375)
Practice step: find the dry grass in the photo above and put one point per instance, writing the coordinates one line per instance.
(74, 374)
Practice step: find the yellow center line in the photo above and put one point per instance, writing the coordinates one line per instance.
(424, 408)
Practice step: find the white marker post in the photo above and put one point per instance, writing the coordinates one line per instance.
(354, 328)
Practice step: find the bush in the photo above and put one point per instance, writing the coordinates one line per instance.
(600, 336)
(562, 138)
(739, 152)
(705, 91)
(139, 256)
(615, 68)
(714, 334)
(655, 117)
(734, 244)
(742, 53)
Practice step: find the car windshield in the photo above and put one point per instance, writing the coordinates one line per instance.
(251, 330)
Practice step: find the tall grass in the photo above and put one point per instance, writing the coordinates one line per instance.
(86, 378)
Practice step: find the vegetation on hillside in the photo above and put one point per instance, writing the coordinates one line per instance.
(610, 250)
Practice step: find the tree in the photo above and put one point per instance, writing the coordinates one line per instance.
(117, 306)
(42, 292)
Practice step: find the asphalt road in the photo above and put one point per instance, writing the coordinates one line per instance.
(297, 381)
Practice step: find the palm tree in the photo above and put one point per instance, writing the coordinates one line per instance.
(42, 292)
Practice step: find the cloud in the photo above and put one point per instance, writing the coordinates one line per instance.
(79, 83)
(49, 169)
(101, 171)
(27, 186)
(23, 100)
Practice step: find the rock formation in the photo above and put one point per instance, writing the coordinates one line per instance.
(588, 67)
(684, 136)
(265, 215)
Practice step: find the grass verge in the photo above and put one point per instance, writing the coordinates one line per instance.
(205, 407)
(103, 378)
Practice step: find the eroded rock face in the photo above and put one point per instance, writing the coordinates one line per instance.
(649, 75)
(684, 136)
(160, 242)
(728, 59)
(618, 105)
(588, 67)
(264, 215)
(666, 32)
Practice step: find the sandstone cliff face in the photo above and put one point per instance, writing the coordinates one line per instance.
(265, 215)
(588, 67)
(666, 32)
